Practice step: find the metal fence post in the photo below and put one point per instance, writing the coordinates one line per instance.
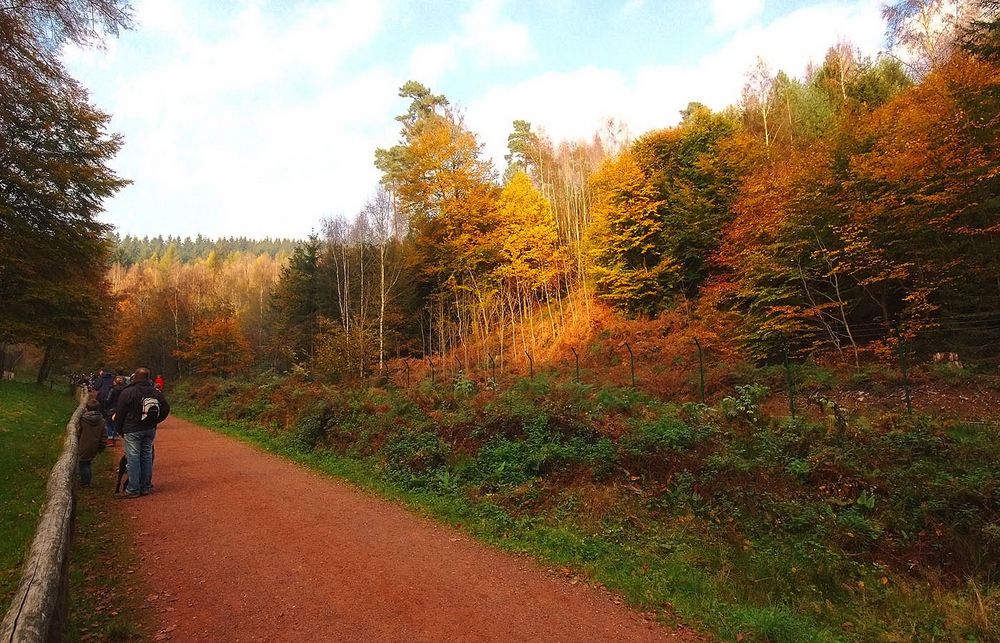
(701, 370)
(577, 357)
(631, 362)
(788, 378)
(531, 364)
(905, 368)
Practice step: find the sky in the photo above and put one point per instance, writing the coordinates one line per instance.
(260, 118)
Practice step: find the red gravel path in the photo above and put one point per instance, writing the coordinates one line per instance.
(239, 545)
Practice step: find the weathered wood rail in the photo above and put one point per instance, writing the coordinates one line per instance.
(39, 608)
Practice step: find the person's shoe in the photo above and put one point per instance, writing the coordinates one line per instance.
(125, 494)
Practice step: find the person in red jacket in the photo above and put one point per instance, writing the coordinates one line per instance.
(159, 382)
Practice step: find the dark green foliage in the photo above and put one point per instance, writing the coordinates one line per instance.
(297, 302)
(129, 250)
(311, 427)
(418, 452)
(662, 435)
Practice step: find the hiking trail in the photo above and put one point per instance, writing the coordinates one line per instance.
(240, 545)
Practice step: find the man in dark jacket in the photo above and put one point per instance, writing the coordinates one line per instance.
(105, 382)
(140, 407)
(111, 404)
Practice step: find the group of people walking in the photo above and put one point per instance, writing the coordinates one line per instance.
(127, 406)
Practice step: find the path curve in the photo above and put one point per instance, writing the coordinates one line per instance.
(240, 545)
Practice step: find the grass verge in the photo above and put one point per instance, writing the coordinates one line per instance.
(32, 424)
(102, 588)
(107, 594)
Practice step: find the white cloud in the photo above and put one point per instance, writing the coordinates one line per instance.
(485, 36)
(260, 131)
(430, 61)
(632, 6)
(576, 104)
(160, 15)
(728, 15)
(493, 39)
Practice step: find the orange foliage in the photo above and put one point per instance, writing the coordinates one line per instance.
(217, 347)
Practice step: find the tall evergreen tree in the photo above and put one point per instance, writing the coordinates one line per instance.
(297, 302)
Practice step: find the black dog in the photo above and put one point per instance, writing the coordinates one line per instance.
(123, 473)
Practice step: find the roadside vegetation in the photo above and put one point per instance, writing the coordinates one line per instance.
(729, 516)
(32, 425)
(107, 598)
(32, 428)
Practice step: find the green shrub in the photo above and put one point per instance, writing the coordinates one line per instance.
(620, 400)
(311, 427)
(952, 375)
(744, 405)
(662, 434)
(415, 451)
(809, 376)
(463, 385)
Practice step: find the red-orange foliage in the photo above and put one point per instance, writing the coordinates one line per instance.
(217, 347)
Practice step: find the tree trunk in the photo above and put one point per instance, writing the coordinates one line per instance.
(381, 313)
(46, 367)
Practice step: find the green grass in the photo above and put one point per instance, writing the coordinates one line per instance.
(32, 426)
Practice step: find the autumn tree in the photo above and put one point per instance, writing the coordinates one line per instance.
(386, 228)
(161, 299)
(447, 194)
(54, 177)
(760, 101)
(631, 269)
(217, 348)
(926, 33)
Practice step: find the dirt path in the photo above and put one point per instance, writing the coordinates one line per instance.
(239, 545)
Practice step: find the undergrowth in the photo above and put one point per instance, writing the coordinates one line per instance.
(749, 526)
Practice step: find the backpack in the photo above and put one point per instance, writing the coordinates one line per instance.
(149, 410)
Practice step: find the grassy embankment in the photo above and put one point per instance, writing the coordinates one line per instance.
(744, 525)
(32, 424)
(32, 427)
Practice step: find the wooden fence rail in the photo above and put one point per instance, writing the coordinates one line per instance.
(39, 608)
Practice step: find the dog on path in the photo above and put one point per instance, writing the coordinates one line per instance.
(122, 481)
